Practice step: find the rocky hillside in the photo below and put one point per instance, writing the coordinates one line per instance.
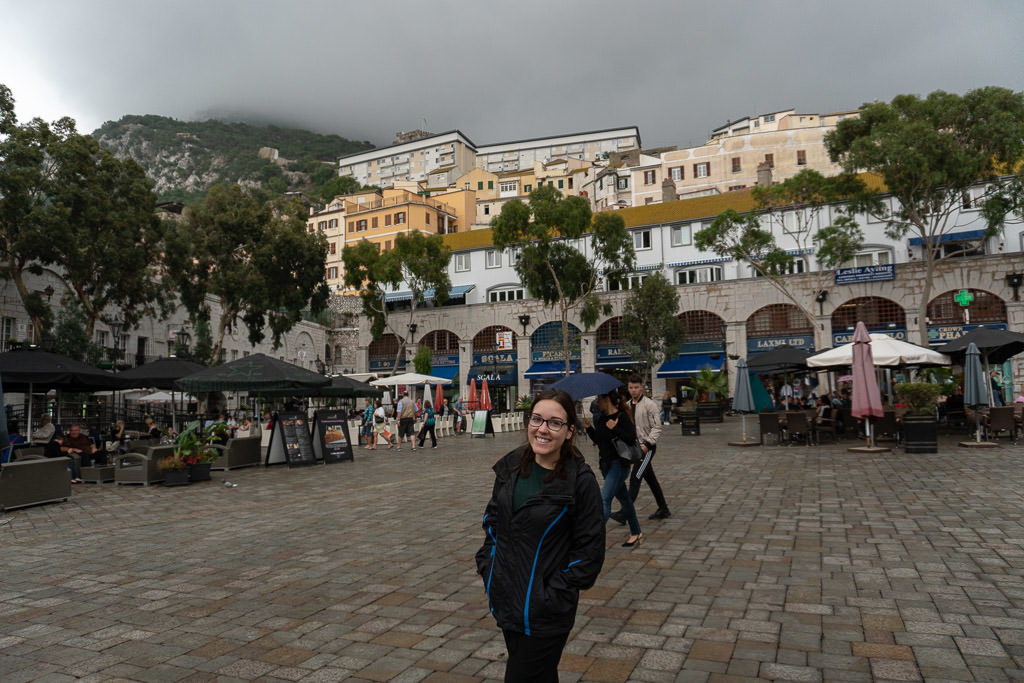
(185, 158)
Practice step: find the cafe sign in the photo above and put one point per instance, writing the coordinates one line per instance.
(762, 344)
(839, 338)
(941, 334)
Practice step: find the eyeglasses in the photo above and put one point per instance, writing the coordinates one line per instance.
(554, 423)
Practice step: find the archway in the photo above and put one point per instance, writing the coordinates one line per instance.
(547, 355)
(495, 358)
(444, 347)
(381, 355)
(877, 313)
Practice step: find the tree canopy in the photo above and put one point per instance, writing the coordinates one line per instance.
(255, 258)
(563, 250)
(651, 331)
(417, 261)
(932, 153)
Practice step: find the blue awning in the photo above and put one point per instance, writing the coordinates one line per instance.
(455, 292)
(691, 364)
(950, 237)
(550, 369)
(697, 262)
(445, 371)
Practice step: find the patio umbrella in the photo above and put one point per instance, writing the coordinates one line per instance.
(742, 395)
(585, 384)
(30, 370)
(471, 402)
(438, 397)
(338, 387)
(975, 386)
(252, 373)
(885, 351)
(867, 401)
(159, 374)
(995, 346)
(485, 396)
(782, 358)
(163, 397)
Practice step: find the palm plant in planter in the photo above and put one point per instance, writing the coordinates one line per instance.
(920, 427)
(712, 388)
(174, 469)
(193, 447)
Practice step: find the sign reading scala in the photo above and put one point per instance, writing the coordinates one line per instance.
(849, 276)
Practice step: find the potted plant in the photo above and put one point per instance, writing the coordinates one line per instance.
(711, 388)
(174, 469)
(192, 446)
(920, 427)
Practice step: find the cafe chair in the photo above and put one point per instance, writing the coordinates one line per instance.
(769, 424)
(1001, 419)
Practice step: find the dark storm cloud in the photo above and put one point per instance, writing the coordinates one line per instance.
(366, 70)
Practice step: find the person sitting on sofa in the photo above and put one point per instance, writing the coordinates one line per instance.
(45, 432)
(55, 449)
(75, 442)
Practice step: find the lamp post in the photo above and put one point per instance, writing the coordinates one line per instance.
(524, 320)
(116, 327)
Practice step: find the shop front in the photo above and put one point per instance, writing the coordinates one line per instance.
(494, 359)
(547, 355)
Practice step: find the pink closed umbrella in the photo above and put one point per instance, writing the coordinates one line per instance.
(438, 397)
(867, 400)
(471, 402)
(485, 396)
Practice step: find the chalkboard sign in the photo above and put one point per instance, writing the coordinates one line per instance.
(482, 425)
(298, 446)
(332, 442)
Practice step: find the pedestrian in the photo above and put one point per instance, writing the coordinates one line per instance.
(380, 426)
(367, 429)
(544, 540)
(614, 423)
(460, 422)
(406, 411)
(648, 431)
(428, 425)
(666, 407)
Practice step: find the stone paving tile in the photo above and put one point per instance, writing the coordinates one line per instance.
(778, 563)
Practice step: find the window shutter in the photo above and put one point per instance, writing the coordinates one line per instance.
(387, 219)
(351, 226)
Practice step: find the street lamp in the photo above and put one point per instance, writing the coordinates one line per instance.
(524, 320)
(116, 327)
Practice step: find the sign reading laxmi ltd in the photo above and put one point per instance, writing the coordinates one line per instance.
(849, 276)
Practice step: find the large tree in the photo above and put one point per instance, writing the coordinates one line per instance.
(67, 203)
(254, 257)
(650, 329)
(563, 252)
(418, 261)
(931, 153)
(787, 215)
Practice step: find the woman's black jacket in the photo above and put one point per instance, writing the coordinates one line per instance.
(602, 435)
(535, 561)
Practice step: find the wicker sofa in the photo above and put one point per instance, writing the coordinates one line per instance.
(139, 466)
(241, 451)
(34, 480)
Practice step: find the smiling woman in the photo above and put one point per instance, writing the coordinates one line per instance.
(544, 540)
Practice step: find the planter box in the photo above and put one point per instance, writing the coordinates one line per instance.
(920, 434)
(709, 411)
(175, 477)
(690, 423)
(199, 472)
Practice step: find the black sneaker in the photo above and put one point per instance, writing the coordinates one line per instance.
(660, 513)
(619, 517)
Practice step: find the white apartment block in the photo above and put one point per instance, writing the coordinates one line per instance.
(519, 155)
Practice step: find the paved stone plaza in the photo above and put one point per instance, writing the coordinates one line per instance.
(784, 563)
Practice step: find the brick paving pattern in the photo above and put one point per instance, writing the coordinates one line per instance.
(778, 563)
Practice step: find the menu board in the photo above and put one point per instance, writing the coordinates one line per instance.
(332, 438)
(298, 446)
(482, 424)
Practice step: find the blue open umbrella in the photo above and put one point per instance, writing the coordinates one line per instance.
(585, 384)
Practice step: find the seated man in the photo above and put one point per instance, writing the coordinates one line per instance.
(45, 432)
(75, 442)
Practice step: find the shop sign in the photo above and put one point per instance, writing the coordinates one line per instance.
(377, 364)
(849, 276)
(839, 338)
(608, 354)
(554, 355)
(940, 334)
(762, 344)
(495, 357)
(444, 361)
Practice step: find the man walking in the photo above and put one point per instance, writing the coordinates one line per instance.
(406, 421)
(648, 431)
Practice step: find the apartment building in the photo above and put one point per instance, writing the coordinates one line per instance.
(784, 142)
(446, 155)
(520, 155)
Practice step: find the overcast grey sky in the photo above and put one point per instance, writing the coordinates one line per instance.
(496, 71)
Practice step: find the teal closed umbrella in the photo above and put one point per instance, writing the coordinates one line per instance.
(743, 397)
(975, 386)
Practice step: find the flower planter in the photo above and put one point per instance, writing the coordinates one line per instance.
(199, 472)
(920, 434)
(175, 477)
(709, 411)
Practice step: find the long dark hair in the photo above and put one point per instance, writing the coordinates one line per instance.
(568, 451)
(621, 401)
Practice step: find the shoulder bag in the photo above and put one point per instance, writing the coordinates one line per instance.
(630, 452)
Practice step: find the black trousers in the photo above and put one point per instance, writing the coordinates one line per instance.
(651, 479)
(533, 659)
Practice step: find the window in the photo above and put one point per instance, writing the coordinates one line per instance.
(797, 265)
(400, 218)
(561, 183)
(387, 245)
(480, 185)
(704, 274)
(622, 183)
(321, 226)
(373, 222)
(801, 157)
(387, 219)
(507, 294)
(351, 226)
(648, 177)
(770, 160)
(702, 170)
(490, 184)
(461, 263)
(681, 235)
(334, 247)
(971, 199)
(508, 187)
(570, 183)
(361, 225)
(309, 227)
(513, 257)
(333, 223)
(428, 218)
(642, 239)
(332, 272)
(733, 188)
(676, 172)
(736, 167)
(870, 258)
(769, 118)
(527, 189)
(493, 259)
(626, 283)
(487, 209)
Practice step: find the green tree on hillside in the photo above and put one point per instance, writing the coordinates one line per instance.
(932, 153)
(563, 249)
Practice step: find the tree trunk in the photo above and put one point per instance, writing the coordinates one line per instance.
(19, 282)
(565, 340)
(926, 290)
(222, 325)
